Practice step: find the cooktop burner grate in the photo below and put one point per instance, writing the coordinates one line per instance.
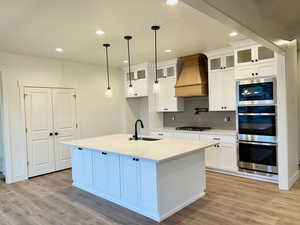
(193, 128)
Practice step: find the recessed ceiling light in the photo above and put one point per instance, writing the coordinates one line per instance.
(172, 2)
(59, 50)
(125, 61)
(99, 32)
(232, 34)
(168, 50)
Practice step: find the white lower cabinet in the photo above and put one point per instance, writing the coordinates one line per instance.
(82, 167)
(106, 173)
(223, 155)
(127, 180)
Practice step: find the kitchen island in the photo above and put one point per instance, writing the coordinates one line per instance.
(155, 178)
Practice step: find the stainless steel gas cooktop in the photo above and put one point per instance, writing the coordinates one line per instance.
(193, 128)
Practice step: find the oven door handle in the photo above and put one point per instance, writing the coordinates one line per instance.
(257, 114)
(257, 143)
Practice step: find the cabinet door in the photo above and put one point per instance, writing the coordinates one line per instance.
(215, 64)
(130, 180)
(106, 173)
(141, 83)
(227, 157)
(244, 72)
(264, 54)
(228, 61)
(166, 100)
(228, 90)
(244, 56)
(82, 167)
(211, 157)
(215, 91)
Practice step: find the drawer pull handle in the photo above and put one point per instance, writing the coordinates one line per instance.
(160, 134)
(217, 139)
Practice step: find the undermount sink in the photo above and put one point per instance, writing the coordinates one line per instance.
(144, 139)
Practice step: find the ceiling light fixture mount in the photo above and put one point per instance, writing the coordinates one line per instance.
(172, 2)
(100, 32)
(233, 34)
(59, 50)
(108, 91)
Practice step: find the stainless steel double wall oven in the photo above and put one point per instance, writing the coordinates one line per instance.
(256, 119)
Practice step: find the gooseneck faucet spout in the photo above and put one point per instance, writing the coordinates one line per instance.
(136, 130)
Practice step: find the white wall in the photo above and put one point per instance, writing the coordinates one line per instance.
(97, 115)
(1, 129)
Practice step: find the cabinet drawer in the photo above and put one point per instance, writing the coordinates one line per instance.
(244, 72)
(161, 134)
(219, 138)
(187, 135)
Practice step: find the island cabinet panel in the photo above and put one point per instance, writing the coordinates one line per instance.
(82, 167)
(138, 183)
(130, 178)
(106, 173)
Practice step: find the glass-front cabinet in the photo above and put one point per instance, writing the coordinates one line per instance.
(254, 54)
(138, 80)
(221, 62)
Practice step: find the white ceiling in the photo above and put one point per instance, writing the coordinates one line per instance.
(36, 27)
(271, 19)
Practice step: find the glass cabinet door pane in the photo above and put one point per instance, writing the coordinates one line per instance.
(229, 61)
(215, 64)
(171, 71)
(160, 73)
(265, 53)
(141, 74)
(244, 56)
(132, 76)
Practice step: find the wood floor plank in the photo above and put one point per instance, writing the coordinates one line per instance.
(51, 200)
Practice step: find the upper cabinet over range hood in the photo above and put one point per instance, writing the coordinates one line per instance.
(193, 76)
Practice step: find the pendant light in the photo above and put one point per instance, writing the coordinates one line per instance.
(130, 87)
(108, 91)
(156, 86)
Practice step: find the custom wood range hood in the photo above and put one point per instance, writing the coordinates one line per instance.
(193, 76)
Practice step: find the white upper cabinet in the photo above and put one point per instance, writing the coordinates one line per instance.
(253, 60)
(139, 81)
(165, 99)
(221, 80)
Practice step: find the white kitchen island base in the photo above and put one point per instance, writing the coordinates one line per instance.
(153, 178)
(154, 189)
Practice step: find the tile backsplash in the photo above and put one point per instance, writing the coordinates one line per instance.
(215, 120)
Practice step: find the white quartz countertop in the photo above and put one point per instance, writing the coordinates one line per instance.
(154, 150)
(211, 131)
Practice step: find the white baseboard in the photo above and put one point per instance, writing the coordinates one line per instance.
(180, 207)
(293, 179)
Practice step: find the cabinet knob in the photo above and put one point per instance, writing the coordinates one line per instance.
(79, 148)
(104, 153)
(51, 134)
(56, 133)
(252, 74)
(256, 60)
(256, 74)
(252, 60)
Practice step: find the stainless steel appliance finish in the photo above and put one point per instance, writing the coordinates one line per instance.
(260, 91)
(257, 123)
(193, 128)
(258, 158)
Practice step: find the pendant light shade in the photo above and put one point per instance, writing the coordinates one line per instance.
(108, 91)
(130, 89)
(156, 86)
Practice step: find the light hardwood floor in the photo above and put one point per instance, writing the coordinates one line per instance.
(230, 200)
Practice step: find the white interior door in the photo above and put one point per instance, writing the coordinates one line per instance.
(64, 124)
(39, 124)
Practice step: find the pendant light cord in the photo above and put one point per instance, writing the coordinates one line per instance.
(107, 70)
(155, 28)
(107, 65)
(129, 61)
